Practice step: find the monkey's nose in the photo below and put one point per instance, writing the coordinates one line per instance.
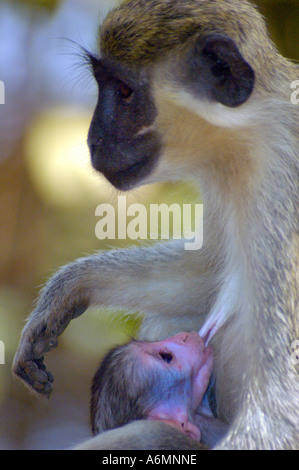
(181, 337)
(184, 337)
(192, 339)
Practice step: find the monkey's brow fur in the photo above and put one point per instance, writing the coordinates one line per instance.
(140, 31)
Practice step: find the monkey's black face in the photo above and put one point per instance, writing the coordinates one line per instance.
(121, 143)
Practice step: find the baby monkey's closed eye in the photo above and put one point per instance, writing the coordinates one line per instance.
(166, 357)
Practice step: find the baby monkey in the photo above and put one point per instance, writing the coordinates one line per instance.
(165, 380)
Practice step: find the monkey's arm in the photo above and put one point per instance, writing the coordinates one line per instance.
(157, 435)
(142, 435)
(151, 280)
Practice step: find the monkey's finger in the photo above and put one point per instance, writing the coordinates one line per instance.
(41, 365)
(33, 372)
(39, 381)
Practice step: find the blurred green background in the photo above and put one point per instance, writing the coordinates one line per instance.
(48, 198)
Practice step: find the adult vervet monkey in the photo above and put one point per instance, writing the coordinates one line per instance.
(196, 90)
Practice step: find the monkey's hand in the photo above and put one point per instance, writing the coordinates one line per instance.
(38, 338)
(29, 364)
(60, 301)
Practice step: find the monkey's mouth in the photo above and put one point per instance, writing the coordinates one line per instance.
(128, 178)
(126, 164)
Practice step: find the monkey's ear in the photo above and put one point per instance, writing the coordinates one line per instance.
(223, 73)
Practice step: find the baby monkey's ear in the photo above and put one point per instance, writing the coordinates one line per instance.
(218, 71)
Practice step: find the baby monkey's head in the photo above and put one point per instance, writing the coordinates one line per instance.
(163, 380)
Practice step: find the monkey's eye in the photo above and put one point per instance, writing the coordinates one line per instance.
(125, 91)
(166, 357)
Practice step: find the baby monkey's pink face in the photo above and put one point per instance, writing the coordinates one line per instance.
(184, 351)
(184, 355)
